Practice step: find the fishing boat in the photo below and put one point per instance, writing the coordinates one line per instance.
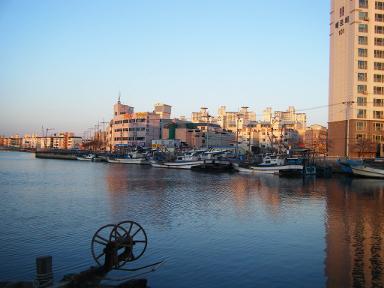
(367, 170)
(88, 157)
(185, 161)
(130, 158)
(214, 161)
(272, 164)
(345, 165)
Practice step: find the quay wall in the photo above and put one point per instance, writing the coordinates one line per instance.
(55, 155)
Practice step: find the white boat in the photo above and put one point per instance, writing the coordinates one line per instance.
(88, 157)
(186, 161)
(139, 161)
(271, 165)
(277, 169)
(131, 158)
(366, 171)
(177, 164)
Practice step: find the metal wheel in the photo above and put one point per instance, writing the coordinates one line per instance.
(131, 237)
(99, 241)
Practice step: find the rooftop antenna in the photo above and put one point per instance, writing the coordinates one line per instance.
(118, 100)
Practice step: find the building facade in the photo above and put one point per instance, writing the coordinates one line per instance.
(356, 87)
(316, 139)
(130, 129)
(198, 135)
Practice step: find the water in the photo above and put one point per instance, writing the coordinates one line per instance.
(215, 230)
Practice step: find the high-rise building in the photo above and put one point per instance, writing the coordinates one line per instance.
(356, 88)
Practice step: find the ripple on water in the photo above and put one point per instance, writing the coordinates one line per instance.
(216, 230)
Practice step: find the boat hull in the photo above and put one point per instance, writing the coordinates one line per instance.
(176, 165)
(286, 169)
(369, 172)
(139, 161)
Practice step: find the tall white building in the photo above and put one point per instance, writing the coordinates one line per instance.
(356, 87)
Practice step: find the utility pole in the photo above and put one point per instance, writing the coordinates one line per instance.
(208, 118)
(348, 105)
(237, 134)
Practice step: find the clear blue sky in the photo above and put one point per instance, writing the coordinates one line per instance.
(62, 63)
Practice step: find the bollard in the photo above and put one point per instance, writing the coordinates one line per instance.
(44, 275)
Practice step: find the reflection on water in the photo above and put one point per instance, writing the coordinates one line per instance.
(216, 230)
(355, 235)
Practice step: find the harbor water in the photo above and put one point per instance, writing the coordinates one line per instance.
(214, 230)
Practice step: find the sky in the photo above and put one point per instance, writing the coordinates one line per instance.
(64, 63)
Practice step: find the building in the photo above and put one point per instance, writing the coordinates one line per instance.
(14, 141)
(163, 110)
(201, 116)
(264, 137)
(356, 87)
(288, 119)
(130, 129)
(63, 140)
(198, 135)
(316, 139)
(231, 121)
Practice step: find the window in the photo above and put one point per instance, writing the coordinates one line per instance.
(362, 77)
(363, 15)
(378, 78)
(363, 28)
(362, 101)
(379, 41)
(379, 5)
(378, 126)
(362, 64)
(363, 40)
(361, 88)
(379, 66)
(379, 17)
(341, 11)
(363, 52)
(378, 114)
(361, 113)
(379, 29)
(363, 3)
(379, 54)
(378, 102)
(378, 90)
(377, 138)
(347, 19)
(361, 125)
(360, 136)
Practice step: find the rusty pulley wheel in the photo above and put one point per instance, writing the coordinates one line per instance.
(100, 240)
(131, 240)
(127, 238)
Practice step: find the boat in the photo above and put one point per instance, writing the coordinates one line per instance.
(346, 165)
(273, 165)
(214, 161)
(185, 161)
(370, 171)
(130, 158)
(88, 157)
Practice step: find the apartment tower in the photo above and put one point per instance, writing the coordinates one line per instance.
(356, 88)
